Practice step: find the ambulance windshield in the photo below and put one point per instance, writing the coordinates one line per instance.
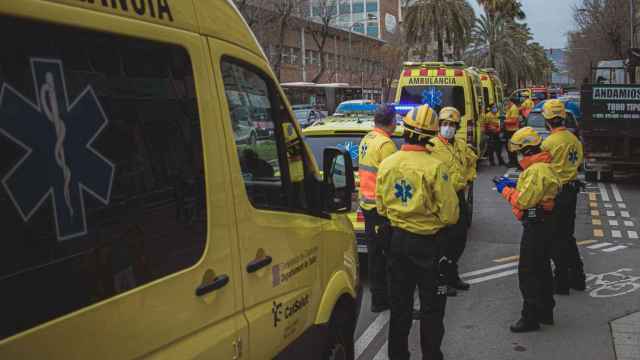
(435, 96)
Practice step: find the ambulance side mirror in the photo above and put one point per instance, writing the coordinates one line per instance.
(338, 179)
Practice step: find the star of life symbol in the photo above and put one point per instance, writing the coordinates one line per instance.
(573, 156)
(351, 148)
(432, 97)
(403, 191)
(60, 163)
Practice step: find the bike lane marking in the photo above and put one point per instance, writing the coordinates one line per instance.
(616, 193)
(367, 336)
(611, 284)
(598, 246)
(604, 195)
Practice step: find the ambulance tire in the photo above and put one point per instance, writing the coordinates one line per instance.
(470, 205)
(340, 344)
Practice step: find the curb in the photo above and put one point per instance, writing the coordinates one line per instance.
(625, 332)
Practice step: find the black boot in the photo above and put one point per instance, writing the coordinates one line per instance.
(577, 280)
(524, 325)
(379, 304)
(460, 285)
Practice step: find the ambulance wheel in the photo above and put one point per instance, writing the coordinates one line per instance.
(340, 344)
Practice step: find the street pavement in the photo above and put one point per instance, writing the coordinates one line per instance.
(477, 321)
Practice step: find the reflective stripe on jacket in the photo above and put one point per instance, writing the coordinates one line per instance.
(537, 185)
(492, 123)
(566, 151)
(374, 147)
(512, 120)
(414, 191)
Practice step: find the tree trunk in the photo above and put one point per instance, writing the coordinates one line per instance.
(278, 63)
(440, 42)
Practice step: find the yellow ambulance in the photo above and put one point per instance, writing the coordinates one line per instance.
(492, 88)
(157, 198)
(441, 84)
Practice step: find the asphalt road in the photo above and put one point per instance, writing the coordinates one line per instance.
(477, 321)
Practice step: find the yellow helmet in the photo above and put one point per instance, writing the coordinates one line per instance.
(554, 108)
(449, 113)
(523, 138)
(422, 121)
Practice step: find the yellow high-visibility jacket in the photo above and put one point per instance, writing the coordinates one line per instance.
(537, 185)
(492, 123)
(454, 158)
(566, 151)
(414, 191)
(374, 147)
(512, 120)
(526, 107)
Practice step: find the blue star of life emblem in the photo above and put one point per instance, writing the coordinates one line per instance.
(351, 148)
(573, 156)
(404, 191)
(59, 163)
(432, 97)
(363, 150)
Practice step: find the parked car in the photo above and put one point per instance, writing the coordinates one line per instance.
(536, 120)
(306, 114)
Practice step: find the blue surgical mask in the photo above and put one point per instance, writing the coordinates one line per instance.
(494, 109)
(447, 132)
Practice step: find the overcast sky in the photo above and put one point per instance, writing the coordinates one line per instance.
(549, 20)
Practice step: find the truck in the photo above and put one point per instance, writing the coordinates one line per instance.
(610, 129)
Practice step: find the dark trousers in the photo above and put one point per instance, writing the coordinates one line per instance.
(456, 238)
(534, 269)
(513, 157)
(494, 149)
(412, 262)
(565, 253)
(376, 259)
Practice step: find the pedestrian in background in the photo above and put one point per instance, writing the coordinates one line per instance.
(511, 125)
(414, 192)
(375, 147)
(567, 153)
(492, 128)
(454, 154)
(532, 200)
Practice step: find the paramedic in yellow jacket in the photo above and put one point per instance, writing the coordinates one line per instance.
(532, 200)
(375, 147)
(527, 106)
(511, 125)
(460, 161)
(567, 153)
(415, 193)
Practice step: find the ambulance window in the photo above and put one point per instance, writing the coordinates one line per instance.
(110, 195)
(270, 150)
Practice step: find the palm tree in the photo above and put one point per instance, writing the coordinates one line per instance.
(508, 8)
(442, 21)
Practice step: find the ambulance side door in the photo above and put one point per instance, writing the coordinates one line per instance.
(279, 228)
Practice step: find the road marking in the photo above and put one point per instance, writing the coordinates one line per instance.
(367, 336)
(616, 193)
(598, 246)
(593, 204)
(603, 192)
(611, 213)
(628, 223)
(622, 205)
(632, 234)
(508, 258)
(596, 221)
(490, 269)
(616, 233)
(595, 213)
(613, 222)
(492, 276)
(598, 233)
(615, 248)
(624, 214)
(586, 242)
(592, 196)
(608, 205)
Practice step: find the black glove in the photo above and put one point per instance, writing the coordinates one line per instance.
(446, 269)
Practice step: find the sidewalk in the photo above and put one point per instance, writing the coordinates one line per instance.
(626, 337)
